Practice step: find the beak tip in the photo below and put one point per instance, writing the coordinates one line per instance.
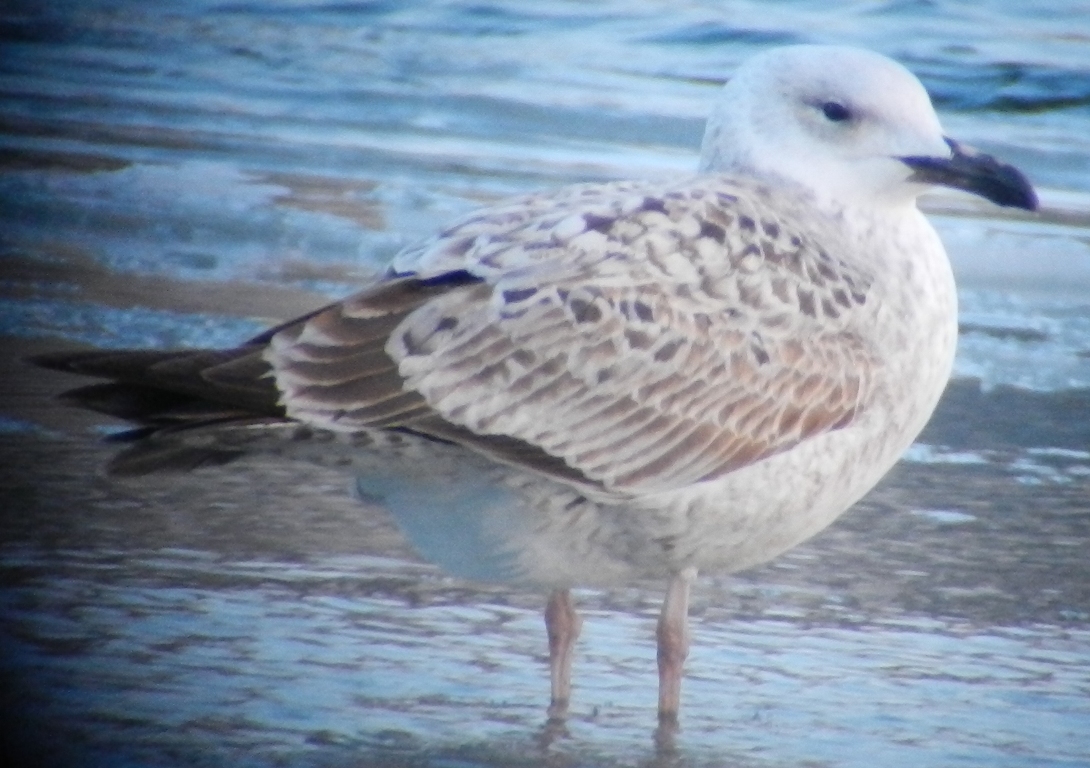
(978, 173)
(1012, 190)
(1031, 202)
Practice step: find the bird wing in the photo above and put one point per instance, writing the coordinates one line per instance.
(635, 337)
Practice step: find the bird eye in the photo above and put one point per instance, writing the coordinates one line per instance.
(835, 111)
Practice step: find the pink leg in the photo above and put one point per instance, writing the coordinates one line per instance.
(673, 638)
(562, 624)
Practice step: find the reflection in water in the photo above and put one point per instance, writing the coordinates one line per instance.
(228, 615)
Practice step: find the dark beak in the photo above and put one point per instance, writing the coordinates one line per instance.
(975, 172)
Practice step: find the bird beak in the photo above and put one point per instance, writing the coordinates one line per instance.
(975, 172)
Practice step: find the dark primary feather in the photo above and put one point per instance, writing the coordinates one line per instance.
(180, 388)
(173, 395)
(171, 387)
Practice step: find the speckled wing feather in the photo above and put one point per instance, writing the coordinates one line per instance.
(647, 337)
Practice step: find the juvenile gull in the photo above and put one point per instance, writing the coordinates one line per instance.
(614, 381)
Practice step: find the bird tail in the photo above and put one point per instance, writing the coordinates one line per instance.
(189, 408)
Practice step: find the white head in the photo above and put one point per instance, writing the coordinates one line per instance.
(837, 120)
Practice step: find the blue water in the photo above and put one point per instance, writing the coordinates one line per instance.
(276, 666)
(158, 160)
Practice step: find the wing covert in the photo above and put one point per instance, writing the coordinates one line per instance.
(648, 338)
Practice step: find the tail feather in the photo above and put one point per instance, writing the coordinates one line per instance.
(169, 394)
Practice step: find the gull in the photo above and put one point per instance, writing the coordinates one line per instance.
(625, 380)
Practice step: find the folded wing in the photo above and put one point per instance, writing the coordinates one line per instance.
(611, 335)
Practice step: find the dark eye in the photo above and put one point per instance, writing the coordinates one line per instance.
(835, 111)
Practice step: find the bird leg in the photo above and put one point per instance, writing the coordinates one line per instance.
(562, 624)
(673, 641)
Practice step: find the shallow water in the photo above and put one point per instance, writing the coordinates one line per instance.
(187, 175)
